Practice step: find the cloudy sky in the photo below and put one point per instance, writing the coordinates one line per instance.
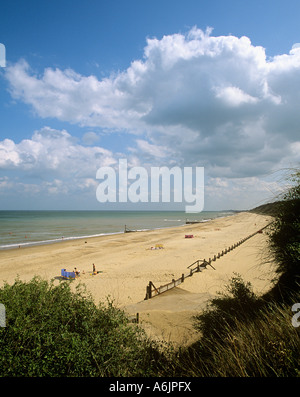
(192, 83)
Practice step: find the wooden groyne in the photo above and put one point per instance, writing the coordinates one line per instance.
(126, 230)
(197, 266)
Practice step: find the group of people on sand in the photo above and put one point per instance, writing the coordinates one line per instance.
(77, 271)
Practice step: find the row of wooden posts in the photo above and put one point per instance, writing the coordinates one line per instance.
(197, 266)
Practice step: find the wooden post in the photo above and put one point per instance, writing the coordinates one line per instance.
(182, 277)
(148, 291)
(211, 265)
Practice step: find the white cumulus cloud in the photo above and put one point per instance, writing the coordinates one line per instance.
(193, 99)
(52, 162)
(212, 99)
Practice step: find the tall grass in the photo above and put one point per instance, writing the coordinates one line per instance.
(266, 346)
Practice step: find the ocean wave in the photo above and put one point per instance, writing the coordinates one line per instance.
(53, 241)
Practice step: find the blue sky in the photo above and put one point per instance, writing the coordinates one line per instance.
(161, 83)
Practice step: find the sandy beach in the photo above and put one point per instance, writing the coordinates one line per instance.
(126, 263)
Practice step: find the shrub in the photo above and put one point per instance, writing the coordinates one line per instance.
(51, 331)
(239, 302)
(285, 240)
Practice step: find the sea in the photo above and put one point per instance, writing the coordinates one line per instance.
(28, 228)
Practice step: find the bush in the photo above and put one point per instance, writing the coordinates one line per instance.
(51, 331)
(239, 302)
(285, 241)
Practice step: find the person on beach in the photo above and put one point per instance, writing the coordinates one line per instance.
(77, 272)
(94, 269)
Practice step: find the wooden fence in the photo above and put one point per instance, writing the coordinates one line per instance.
(197, 266)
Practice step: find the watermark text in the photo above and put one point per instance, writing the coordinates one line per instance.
(2, 315)
(296, 317)
(2, 56)
(159, 185)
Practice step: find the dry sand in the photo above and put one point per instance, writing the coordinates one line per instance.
(127, 264)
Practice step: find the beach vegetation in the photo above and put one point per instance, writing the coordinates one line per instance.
(52, 331)
(267, 346)
(285, 241)
(238, 303)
